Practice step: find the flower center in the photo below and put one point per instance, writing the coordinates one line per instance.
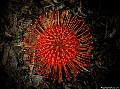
(58, 45)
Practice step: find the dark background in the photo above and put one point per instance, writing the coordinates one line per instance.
(101, 13)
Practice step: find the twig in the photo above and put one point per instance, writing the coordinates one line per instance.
(80, 9)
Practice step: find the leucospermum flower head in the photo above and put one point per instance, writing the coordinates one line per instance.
(58, 45)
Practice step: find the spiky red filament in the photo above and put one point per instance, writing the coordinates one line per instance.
(59, 44)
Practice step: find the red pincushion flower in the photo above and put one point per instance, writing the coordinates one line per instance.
(58, 45)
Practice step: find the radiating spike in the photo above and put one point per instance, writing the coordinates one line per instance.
(87, 44)
(60, 73)
(85, 36)
(65, 20)
(52, 22)
(89, 50)
(45, 66)
(55, 68)
(62, 17)
(47, 19)
(50, 17)
(41, 20)
(85, 39)
(76, 25)
(82, 48)
(68, 20)
(73, 21)
(56, 20)
(71, 69)
(53, 19)
(66, 72)
(81, 65)
(58, 17)
(84, 32)
(43, 63)
(40, 27)
(79, 28)
(34, 28)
